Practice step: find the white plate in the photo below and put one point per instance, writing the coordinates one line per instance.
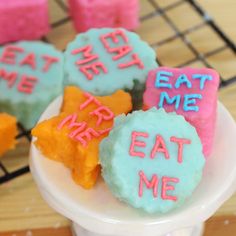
(97, 210)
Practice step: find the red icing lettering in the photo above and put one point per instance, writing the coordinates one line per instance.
(89, 100)
(103, 113)
(80, 127)
(9, 54)
(166, 187)
(71, 119)
(9, 77)
(49, 61)
(83, 133)
(88, 57)
(94, 68)
(160, 147)
(135, 62)
(180, 142)
(29, 60)
(87, 134)
(152, 184)
(27, 84)
(121, 52)
(113, 35)
(135, 142)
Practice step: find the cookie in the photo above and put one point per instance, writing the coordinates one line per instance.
(31, 76)
(74, 135)
(102, 61)
(23, 20)
(189, 92)
(100, 13)
(152, 160)
(8, 132)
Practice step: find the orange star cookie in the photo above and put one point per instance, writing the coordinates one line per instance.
(73, 137)
(8, 132)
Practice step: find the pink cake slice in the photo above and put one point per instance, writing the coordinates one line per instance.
(100, 13)
(189, 92)
(23, 20)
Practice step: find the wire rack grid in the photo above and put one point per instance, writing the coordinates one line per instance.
(156, 12)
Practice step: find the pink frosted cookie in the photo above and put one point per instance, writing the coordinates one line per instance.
(191, 93)
(23, 19)
(100, 13)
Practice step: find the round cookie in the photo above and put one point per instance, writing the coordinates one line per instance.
(152, 160)
(31, 75)
(102, 61)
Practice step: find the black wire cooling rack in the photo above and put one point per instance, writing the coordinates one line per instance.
(158, 11)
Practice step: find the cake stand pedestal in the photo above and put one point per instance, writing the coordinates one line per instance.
(97, 212)
(194, 231)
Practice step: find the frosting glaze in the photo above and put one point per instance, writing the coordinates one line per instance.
(74, 135)
(8, 132)
(189, 92)
(31, 75)
(152, 160)
(102, 61)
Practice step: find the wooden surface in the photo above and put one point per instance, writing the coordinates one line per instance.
(217, 226)
(21, 206)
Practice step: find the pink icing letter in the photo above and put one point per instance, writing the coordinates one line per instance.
(88, 134)
(135, 142)
(136, 61)
(72, 119)
(160, 146)
(9, 56)
(86, 50)
(113, 36)
(166, 187)
(121, 52)
(29, 60)
(94, 68)
(90, 99)
(27, 84)
(153, 184)
(180, 142)
(49, 61)
(103, 113)
(9, 77)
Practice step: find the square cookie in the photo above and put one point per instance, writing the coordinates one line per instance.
(189, 92)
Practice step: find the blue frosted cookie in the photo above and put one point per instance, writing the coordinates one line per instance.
(102, 61)
(152, 160)
(31, 75)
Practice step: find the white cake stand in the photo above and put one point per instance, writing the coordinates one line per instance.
(97, 212)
